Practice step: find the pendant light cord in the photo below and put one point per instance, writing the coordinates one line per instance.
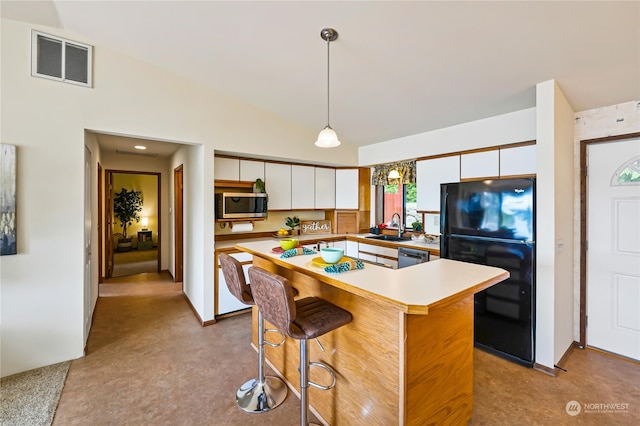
(328, 56)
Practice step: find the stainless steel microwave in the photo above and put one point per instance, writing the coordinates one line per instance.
(240, 205)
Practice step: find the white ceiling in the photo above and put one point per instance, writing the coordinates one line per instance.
(397, 68)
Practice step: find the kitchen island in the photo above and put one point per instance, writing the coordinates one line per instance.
(407, 356)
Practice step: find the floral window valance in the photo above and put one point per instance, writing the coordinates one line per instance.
(406, 169)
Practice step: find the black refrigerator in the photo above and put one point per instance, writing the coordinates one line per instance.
(492, 222)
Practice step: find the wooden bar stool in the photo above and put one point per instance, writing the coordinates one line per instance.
(264, 393)
(301, 319)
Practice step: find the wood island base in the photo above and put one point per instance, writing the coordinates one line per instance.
(392, 367)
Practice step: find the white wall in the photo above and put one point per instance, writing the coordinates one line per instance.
(554, 186)
(42, 286)
(519, 126)
(199, 219)
(563, 192)
(92, 144)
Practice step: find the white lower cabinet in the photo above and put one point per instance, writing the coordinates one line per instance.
(227, 302)
(312, 246)
(379, 254)
(351, 249)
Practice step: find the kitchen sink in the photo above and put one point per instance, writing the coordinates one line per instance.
(388, 238)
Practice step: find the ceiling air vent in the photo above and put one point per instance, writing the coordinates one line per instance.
(59, 59)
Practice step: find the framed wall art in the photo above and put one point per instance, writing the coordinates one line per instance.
(7, 199)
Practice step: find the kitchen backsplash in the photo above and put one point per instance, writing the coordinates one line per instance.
(274, 221)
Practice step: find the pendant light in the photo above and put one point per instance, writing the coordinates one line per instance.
(328, 137)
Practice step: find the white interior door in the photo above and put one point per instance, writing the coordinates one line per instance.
(613, 256)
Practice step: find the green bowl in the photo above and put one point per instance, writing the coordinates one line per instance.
(288, 243)
(331, 255)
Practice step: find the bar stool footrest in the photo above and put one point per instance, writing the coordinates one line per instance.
(272, 344)
(330, 370)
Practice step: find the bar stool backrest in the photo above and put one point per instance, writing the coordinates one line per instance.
(274, 296)
(234, 276)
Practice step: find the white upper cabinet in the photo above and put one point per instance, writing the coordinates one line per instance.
(251, 170)
(302, 187)
(346, 188)
(429, 175)
(325, 193)
(226, 168)
(278, 185)
(480, 164)
(520, 160)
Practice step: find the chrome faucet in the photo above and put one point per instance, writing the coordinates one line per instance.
(399, 224)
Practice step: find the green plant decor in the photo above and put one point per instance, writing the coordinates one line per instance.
(293, 222)
(417, 226)
(258, 186)
(127, 204)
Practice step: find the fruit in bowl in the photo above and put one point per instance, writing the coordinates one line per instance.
(331, 255)
(282, 232)
(288, 243)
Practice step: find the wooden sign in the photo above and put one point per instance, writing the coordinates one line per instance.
(315, 227)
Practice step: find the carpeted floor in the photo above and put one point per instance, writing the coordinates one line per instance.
(30, 398)
(134, 262)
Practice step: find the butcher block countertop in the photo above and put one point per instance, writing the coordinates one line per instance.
(411, 290)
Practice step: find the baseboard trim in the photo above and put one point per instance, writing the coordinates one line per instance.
(233, 314)
(195, 312)
(565, 357)
(554, 372)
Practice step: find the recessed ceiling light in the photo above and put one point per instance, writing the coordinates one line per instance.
(140, 147)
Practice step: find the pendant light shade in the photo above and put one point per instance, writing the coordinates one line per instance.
(328, 137)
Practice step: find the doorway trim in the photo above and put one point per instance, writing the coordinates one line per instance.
(108, 229)
(100, 224)
(178, 206)
(583, 226)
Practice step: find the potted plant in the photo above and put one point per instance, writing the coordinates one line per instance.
(417, 227)
(127, 204)
(293, 223)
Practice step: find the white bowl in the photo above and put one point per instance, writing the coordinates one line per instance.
(331, 255)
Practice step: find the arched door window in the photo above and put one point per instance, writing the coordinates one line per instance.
(628, 173)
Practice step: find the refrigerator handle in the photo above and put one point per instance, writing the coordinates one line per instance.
(443, 213)
(444, 195)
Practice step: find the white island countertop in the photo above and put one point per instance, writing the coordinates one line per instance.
(413, 290)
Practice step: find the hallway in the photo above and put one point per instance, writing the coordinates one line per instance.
(149, 362)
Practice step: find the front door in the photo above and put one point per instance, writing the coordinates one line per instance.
(613, 256)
